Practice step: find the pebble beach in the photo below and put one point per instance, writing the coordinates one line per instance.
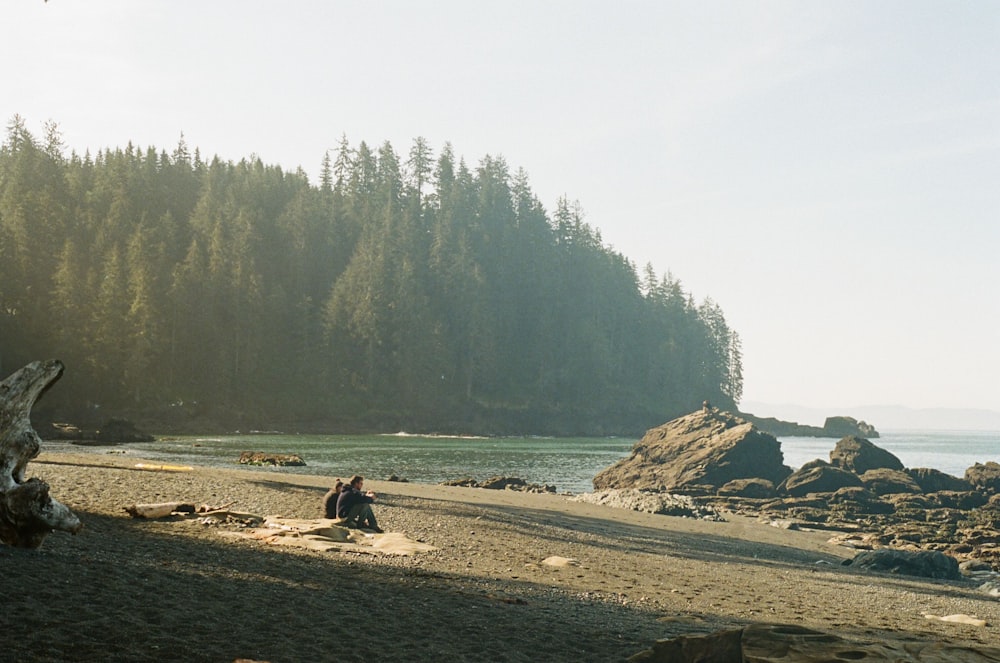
(512, 577)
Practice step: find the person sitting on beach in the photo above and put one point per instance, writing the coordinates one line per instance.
(355, 506)
(330, 500)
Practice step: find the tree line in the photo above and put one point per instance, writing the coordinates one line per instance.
(407, 292)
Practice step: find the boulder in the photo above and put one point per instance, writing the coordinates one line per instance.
(858, 500)
(705, 448)
(817, 477)
(883, 481)
(923, 563)
(858, 455)
(984, 477)
(932, 481)
(755, 489)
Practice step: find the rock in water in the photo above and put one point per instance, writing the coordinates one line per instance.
(858, 455)
(843, 426)
(705, 449)
(263, 458)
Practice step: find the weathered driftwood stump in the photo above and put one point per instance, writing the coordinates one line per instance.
(27, 513)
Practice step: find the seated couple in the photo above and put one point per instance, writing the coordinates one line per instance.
(347, 501)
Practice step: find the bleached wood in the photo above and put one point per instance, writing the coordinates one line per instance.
(27, 512)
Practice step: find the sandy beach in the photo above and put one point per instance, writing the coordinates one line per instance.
(128, 589)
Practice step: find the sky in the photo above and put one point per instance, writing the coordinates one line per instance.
(827, 172)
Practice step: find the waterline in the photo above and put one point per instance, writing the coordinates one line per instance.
(569, 464)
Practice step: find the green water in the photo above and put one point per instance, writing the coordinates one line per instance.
(567, 463)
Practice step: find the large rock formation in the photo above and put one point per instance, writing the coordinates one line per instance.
(817, 477)
(923, 563)
(932, 481)
(984, 477)
(882, 481)
(858, 455)
(726, 463)
(701, 451)
(839, 426)
(844, 426)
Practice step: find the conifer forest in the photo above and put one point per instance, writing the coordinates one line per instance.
(399, 291)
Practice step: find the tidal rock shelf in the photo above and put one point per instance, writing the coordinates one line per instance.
(726, 464)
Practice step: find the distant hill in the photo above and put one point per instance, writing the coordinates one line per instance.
(884, 417)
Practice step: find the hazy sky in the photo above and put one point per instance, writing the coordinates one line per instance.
(828, 172)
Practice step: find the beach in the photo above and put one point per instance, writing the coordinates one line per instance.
(512, 577)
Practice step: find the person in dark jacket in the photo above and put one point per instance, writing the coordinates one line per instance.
(356, 506)
(330, 500)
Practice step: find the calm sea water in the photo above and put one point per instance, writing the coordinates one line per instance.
(567, 463)
(951, 452)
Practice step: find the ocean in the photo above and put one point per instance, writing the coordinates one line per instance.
(569, 464)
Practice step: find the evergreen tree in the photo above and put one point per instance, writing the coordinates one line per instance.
(423, 295)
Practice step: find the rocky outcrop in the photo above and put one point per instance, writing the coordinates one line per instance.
(752, 488)
(858, 500)
(263, 458)
(866, 494)
(839, 426)
(883, 481)
(786, 643)
(984, 477)
(923, 564)
(700, 452)
(846, 426)
(114, 431)
(501, 483)
(817, 477)
(650, 502)
(858, 455)
(932, 481)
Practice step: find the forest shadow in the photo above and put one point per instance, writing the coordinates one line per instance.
(129, 590)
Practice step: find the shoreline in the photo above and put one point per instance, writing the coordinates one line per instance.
(130, 589)
(914, 450)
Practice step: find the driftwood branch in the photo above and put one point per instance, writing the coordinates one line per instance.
(164, 509)
(27, 512)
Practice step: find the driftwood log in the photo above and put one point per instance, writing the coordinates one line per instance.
(164, 509)
(27, 512)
